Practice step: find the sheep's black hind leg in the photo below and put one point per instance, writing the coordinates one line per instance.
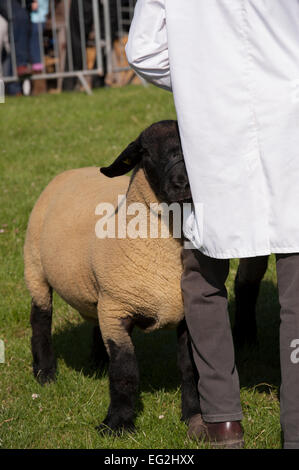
(44, 364)
(123, 376)
(247, 284)
(189, 374)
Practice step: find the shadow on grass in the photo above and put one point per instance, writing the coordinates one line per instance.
(157, 355)
(259, 364)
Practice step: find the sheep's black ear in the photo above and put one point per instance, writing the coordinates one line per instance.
(126, 161)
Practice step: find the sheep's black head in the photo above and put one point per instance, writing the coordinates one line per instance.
(158, 151)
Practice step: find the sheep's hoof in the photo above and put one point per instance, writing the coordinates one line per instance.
(44, 376)
(115, 429)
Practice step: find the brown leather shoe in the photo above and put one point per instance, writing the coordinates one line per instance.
(226, 435)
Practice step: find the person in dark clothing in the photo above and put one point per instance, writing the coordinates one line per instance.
(70, 83)
(19, 18)
(5, 6)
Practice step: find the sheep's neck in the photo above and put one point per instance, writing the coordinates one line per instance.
(140, 191)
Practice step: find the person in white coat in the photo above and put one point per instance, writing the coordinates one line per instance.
(233, 68)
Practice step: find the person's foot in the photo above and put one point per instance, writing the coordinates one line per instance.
(24, 70)
(225, 435)
(37, 68)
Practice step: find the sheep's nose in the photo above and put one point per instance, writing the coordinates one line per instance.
(181, 185)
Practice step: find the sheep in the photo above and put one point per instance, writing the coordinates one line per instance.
(116, 282)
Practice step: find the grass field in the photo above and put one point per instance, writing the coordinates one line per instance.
(41, 137)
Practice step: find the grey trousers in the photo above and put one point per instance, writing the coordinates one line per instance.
(206, 311)
(287, 267)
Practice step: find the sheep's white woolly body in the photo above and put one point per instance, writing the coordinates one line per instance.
(111, 278)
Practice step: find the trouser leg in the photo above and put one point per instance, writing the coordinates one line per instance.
(288, 287)
(35, 52)
(206, 311)
(21, 28)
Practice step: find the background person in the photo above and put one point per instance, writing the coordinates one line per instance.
(38, 19)
(76, 40)
(21, 30)
(4, 42)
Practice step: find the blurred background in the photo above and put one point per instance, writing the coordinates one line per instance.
(47, 46)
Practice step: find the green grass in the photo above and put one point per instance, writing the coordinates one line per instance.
(41, 137)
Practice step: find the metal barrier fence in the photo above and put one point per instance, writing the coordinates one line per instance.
(76, 39)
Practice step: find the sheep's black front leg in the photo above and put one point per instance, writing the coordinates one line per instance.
(123, 377)
(247, 285)
(189, 374)
(44, 363)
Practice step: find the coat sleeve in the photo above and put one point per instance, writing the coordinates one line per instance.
(147, 48)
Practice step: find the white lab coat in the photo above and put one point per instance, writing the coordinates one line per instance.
(233, 67)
